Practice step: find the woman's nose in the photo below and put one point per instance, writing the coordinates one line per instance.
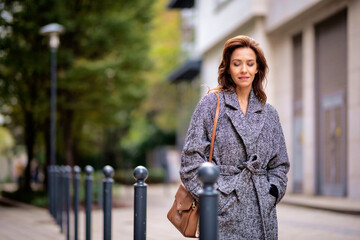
(243, 68)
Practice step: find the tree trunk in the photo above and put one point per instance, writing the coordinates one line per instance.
(29, 142)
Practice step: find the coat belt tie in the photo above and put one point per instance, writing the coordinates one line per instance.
(253, 166)
(246, 170)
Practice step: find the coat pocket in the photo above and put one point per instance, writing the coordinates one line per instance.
(226, 201)
(269, 199)
(272, 202)
(227, 184)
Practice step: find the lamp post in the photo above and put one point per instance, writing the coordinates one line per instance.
(53, 30)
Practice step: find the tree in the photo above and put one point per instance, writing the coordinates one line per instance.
(154, 123)
(101, 64)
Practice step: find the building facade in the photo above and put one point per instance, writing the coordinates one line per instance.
(313, 52)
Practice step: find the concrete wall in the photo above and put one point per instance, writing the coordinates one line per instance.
(215, 23)
(282, 11)
(353, 101)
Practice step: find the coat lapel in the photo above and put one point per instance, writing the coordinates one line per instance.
(249, 126)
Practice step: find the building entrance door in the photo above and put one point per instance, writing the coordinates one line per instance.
(331, 75)
(332, 145)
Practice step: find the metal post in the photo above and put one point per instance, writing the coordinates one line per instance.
(208, 203)
(50, 197)
(77, 171)
(67, 177)
(53, 30)
(99, 191)
(52, 190)
(107, 200)
(140, 188)
(88, 200)
(56, 186)
(53, 107)
(59, 197)
(63, 197)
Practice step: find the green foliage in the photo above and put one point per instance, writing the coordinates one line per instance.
(113, 100)
(101, 68)
(154, 123)
(6, 140)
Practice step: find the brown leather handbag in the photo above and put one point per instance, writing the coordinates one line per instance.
(184, 212)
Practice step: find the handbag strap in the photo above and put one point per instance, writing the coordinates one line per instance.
(214, 127)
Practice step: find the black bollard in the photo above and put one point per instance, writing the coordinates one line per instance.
(50, 197)
(77, 171)
(107, 200)
(64, 196)
(208, 201)
(61, 197)
(67, 177)
(52, 189)
(88, 201)
(140, 187)
(56, 194)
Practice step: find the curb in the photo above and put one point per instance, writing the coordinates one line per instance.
(324, 203)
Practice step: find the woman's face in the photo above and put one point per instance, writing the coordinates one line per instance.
(243, 67)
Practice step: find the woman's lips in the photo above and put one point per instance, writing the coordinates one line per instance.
(243, 78)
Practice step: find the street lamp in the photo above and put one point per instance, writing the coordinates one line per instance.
(53, 30)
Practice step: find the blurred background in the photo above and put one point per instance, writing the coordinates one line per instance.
(130, 73)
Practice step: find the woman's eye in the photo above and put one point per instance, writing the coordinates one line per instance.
(236, 64)
(250, 64)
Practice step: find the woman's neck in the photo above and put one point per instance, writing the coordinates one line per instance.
(243, 98)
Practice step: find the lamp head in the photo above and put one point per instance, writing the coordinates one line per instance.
(53, 30)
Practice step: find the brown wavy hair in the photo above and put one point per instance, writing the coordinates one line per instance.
(226, 84)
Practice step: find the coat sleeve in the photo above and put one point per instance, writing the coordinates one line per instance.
(197, 144)
(279, 165)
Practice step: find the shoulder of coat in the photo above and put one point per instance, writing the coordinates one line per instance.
(209, 99)
(271, 111)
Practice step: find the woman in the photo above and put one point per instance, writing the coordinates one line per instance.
(249, 145)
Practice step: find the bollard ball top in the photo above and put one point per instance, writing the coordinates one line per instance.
(108, 171)
(208, 173)
(76, 169)
(140, 173)
(67, 169)
(89, 169)
(62, 169)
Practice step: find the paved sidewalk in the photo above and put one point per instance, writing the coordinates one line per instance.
(22, 221)
(333, 204)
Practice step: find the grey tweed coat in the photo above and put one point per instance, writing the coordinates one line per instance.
(251, 154)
